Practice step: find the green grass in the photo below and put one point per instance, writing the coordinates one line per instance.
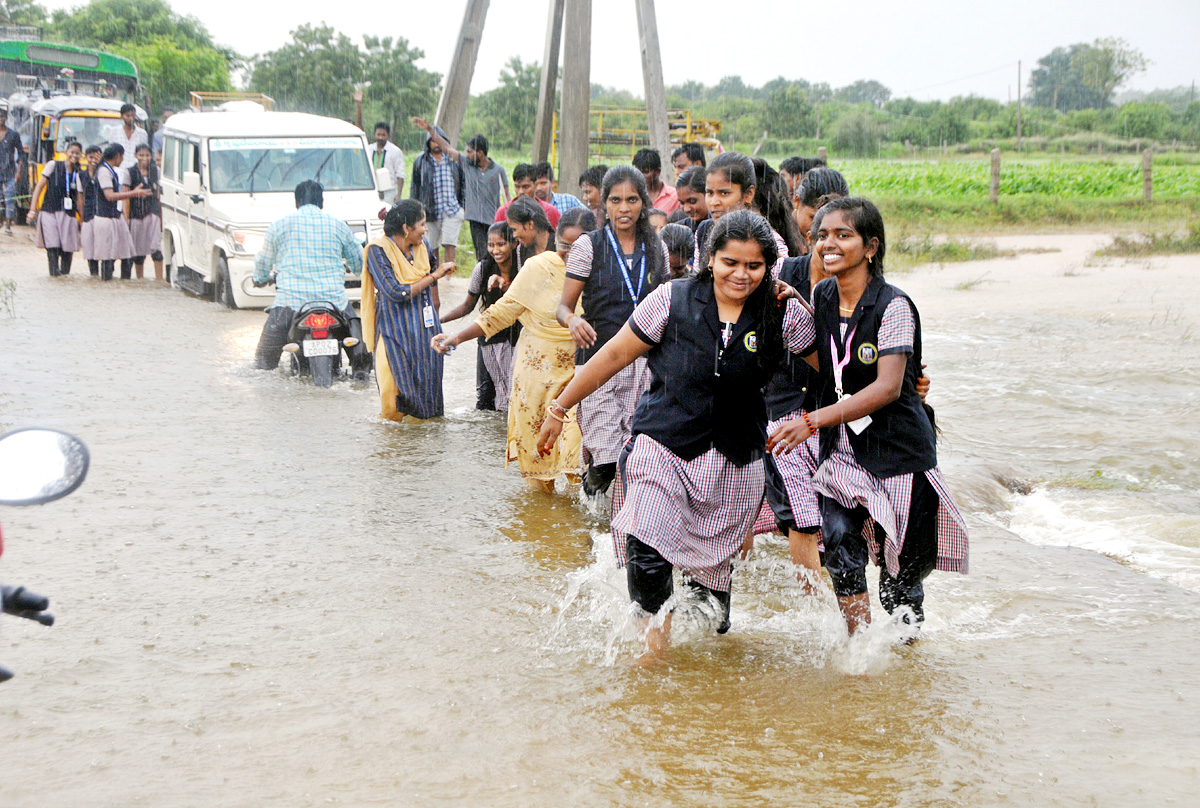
(1171, 242)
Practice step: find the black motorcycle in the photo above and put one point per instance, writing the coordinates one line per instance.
(36, 466)
(316, 337)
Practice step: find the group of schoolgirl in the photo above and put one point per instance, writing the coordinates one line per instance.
(91, 202)
(792, 379)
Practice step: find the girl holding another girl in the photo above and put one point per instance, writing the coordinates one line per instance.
(145, 213)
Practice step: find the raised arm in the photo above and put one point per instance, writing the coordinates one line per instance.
(433, 133)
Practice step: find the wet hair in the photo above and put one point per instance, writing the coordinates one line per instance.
(694, 152)
(141, 147)
(644, 230)
(72, 142)
(310, 192)
(524, 210)
(112, 150)
(594, 176)
(656, 212)
(577, 217)
(867, 222)
(647, 160)
(479, 143)
(93, 149)
(405, 213)
(127, 108)
(821, 182)
(773, 201)
(502, 229)
(384, 125)
(746, 225)
(429, 138)
(737, 169)
(693, 178)
(523, 171)
(799, 166)
(680, 240)
(543, 169)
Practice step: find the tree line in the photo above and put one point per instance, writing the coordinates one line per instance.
(1071, 103)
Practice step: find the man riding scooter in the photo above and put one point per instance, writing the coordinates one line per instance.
(308, 252)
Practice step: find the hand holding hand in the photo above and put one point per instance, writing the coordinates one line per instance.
(497, 282)
(788, 436)
(441, 343)
(445, 269)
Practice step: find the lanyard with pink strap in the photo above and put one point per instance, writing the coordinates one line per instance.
(839, 364)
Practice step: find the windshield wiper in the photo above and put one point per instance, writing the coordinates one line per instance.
(256, 165)
(321, 167)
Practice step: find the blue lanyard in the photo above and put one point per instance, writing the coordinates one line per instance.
(113, 171)
(626, 268)
(69, 178)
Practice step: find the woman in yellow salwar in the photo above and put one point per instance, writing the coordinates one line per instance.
(544, 360)
(400, 315)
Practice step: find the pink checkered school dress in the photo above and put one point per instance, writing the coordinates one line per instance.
(797, 469)
(694, 512)
(888, 500)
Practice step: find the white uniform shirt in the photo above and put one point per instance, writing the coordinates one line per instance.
(392, 160)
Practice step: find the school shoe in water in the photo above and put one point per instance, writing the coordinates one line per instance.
(712, 600)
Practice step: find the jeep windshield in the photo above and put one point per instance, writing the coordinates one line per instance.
(338, 163)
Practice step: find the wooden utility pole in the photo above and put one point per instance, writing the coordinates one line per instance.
(576, 93)
(1148, 175)
(543, 129)
(1018, 105)
(994, 185)
(453, 105)
(656, 93)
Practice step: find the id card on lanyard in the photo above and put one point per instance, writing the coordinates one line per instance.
(839, 364)
(628, 268)
(69, 180)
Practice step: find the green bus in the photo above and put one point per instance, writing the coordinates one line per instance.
(41, 69)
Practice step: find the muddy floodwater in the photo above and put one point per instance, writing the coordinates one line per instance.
(267, 596)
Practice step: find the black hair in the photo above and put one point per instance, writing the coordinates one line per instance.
(168, 109)
(310, 192)
(384, 125)
(577, 217)
(429, 137)
(644, 230)
(489, 266)
(543, 169)
(405, 213)
(127, 108)
(736, 167)
(793, 166)
(139, 148)
(479, 143)
(112, 150)
(502, 229)
(772, 200)
(746, 225)
(594, 176)
(523, 171)
(679, 239)
(93, 149)
(647, 160)
(867, 222)
(694, 152)
(72, 142)
(524, 210)
(693, 178)
(656, 212)
(821, 182)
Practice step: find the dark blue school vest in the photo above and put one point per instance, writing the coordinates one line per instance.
(794, 385)
(57, 188)
(900, 438)
(89, 189)
(689, 408)
(607, 303)
(105, 179)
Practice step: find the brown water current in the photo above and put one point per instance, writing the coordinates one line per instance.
(267, 596)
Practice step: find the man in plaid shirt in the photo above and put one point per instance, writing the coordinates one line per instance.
(308, 252)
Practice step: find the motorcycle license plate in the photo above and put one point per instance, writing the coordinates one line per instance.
(320, 347)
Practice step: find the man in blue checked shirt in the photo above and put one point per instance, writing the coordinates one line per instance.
(308, 252)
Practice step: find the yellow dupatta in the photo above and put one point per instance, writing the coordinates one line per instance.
(407, 272)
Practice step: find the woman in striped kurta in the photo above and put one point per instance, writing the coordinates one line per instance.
(400, 315)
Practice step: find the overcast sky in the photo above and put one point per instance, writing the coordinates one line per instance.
(927, 49)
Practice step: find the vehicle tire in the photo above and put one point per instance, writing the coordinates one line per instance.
(322, 370)
(222, 286)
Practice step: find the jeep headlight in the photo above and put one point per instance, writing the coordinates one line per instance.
(246, 242)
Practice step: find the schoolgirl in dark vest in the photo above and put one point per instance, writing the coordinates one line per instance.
(145, 213)
(613, 269)
(877, 448)
(110, 232)
(490, 278)
(57, 227)
(88, 189)
(691, 479)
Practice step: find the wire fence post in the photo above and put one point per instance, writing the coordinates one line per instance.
(1147, 175)
(994, 186)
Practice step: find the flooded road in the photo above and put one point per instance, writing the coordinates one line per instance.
(267, 596)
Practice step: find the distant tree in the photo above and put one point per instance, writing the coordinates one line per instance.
(731, 87)
(864, 92)
(787, 111)
(1144, 119)
(170, 73)
(315, 72)
(103, 23)
(510, 110)
(858, 132)
(1084, 76)
(399, 88)
(691, 92)
(22, 12)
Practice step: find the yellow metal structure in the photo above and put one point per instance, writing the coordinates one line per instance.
(206, 101)
(624, 130)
